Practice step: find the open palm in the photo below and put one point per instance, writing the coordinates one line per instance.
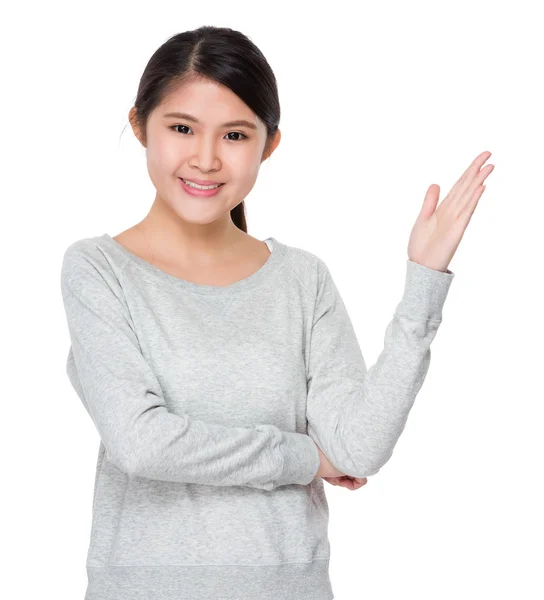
(438, 231)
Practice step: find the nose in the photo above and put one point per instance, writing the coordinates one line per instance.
(206, 155)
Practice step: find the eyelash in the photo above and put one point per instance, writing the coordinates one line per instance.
(244, 137)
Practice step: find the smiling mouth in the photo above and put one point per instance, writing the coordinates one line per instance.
(189, 182)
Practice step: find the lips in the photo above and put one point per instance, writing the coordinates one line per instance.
(200, 192)
(201, 181)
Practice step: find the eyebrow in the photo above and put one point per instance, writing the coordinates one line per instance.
(237, 123)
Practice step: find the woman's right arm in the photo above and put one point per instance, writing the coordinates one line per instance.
(126, 403)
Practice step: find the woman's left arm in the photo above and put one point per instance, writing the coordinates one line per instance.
(356, 415)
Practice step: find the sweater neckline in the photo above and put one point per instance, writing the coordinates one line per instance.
(251, 281)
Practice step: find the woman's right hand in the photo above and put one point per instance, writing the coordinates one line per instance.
(326, 468)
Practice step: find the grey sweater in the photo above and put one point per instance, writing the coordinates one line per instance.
(210, 403)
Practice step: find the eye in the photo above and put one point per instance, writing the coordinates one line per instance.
(237, 133)
(173, 127)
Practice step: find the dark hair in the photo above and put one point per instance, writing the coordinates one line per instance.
(213, 53)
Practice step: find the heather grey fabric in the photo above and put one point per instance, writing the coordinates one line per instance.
(209, 402)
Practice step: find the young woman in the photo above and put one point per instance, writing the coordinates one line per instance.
(222, 372)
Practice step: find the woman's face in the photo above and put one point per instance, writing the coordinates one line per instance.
(205, 149)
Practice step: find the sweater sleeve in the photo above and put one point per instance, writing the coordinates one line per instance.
(124, 399)
(355, 415)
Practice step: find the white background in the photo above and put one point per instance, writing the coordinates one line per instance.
(379, 100)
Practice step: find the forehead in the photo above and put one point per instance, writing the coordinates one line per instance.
(211, 103)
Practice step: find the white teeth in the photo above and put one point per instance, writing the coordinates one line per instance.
(200, 187)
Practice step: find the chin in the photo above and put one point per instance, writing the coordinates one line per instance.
(201, 216)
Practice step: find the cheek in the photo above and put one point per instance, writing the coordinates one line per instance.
(246, 169)
(250, 174)
(163, 155)
(162, 163)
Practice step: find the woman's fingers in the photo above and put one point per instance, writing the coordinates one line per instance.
(471, 178)
(464, 201)
(351, 483)
(468, 210)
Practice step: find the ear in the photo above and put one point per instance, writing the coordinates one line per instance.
(132, 117)
(272, 145)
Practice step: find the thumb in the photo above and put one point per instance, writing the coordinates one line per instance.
(430, 201)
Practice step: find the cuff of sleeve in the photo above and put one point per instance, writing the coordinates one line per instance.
(301, 459)
(425, 291)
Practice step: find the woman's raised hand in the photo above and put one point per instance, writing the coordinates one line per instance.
(438, 231)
